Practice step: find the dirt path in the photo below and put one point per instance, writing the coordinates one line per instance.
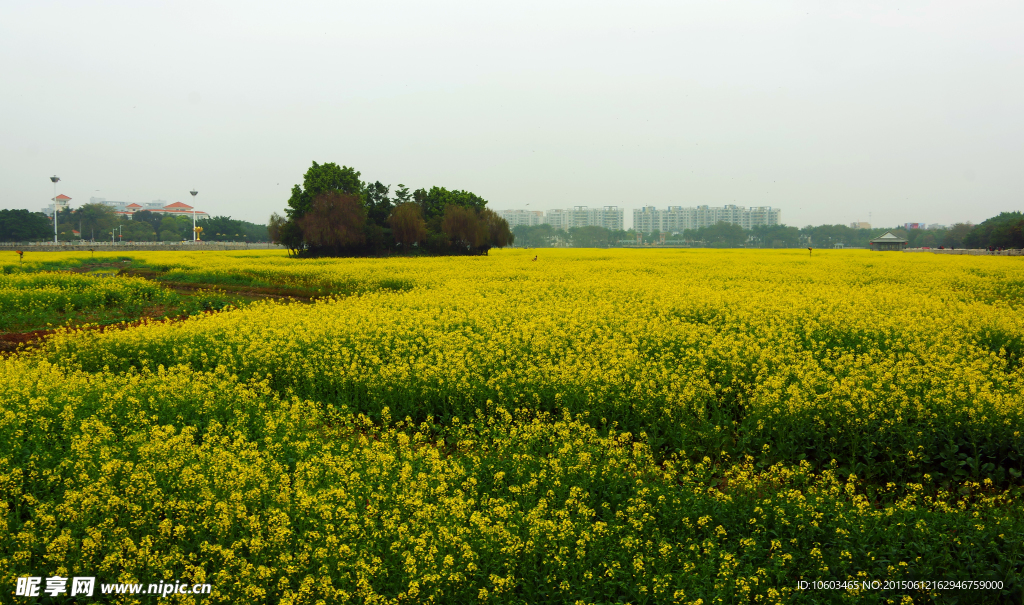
(14, 341)
(246, 290)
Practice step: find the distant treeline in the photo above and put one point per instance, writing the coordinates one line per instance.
(384, 223)
(334, 213)
(100, 222)
(1003, 231)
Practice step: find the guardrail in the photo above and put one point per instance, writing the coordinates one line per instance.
(135, 246)
(970, 251)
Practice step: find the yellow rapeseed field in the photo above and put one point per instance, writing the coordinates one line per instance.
(595, 426)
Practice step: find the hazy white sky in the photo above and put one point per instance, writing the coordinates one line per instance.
(910, 111)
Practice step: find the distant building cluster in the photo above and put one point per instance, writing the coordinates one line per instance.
(609, 217)
(676, 219)
(127, 209)
(860, 225)
(529, 218)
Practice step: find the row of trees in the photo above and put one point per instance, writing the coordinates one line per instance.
(99, 221)
(24, 226)
(443, 221)
(334, 213)
(1005, 231)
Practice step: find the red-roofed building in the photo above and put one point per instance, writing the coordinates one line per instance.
(175, 208)
(61, 201)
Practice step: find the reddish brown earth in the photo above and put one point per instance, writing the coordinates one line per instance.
(11, 342)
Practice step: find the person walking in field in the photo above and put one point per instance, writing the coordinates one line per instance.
(810, 251)
(535, 257)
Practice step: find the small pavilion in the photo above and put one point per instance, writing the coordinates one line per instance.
(888, 242)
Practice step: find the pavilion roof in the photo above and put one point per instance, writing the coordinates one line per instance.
(888, 238)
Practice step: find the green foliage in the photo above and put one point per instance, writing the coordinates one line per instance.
(227, 229)
(378, 204)
(290, 236)
(153, 219)
(719, 235)
(1003, 231)
(174, 228)
(402, 195)
(593, 237)
(448, 221)
(334, 224)
(535, 236)
(434, 202)
(137, 231)
(407, 224)
(94, 220)
(322, 178)
(24, 226)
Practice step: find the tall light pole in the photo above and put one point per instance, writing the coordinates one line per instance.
(194, 194)
(54, 178)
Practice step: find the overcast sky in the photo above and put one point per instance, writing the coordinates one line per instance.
(909, 111)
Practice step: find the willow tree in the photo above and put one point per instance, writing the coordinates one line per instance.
(407, 224)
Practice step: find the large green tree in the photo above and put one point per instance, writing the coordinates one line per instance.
(95, 218)
(173, 228)
(378, 204)
(322, 178)
(334, 223)
(151, 218)
(402, 195)
(407, 225)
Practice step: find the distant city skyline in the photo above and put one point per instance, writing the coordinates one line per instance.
(831, 112)
(627, 219)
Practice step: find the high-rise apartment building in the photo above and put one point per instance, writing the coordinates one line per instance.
(515, 218)
(609, 217)
(675, 219)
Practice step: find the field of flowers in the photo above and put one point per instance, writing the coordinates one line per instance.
(596, 426)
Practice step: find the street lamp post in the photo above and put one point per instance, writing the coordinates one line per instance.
(54, 178)
(194, 194)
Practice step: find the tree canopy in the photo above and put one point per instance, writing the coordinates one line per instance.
(93, 219)
(1003, 231)
(322, 178)
(24, 226)
(333, 212)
